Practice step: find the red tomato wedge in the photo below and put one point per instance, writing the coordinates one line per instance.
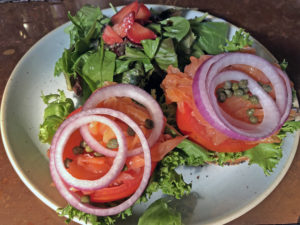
(137, 33)
(122, 27)
(110, 37)
(178, 88)
(119, 16)
(143, 14)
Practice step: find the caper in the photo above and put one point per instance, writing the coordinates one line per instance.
(67, 162)
(228, 93)
(97, 154)
(83, 144)
(219, 90)
(238, 92)
(227, 85)
(88, 149)
(149, 124)
(77, 150)
(250, 112)
(253, 119)
(246, 96)
(85, 199)
(267, 88)
(246, 89)
(253, 99)
(243, 83)
(130, 131)
(112, 143)
(235, 86)
(221, 97)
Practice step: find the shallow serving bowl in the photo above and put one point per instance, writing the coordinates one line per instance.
(219, 194)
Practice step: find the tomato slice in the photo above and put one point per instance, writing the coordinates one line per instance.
(126, 184)
(205, 135)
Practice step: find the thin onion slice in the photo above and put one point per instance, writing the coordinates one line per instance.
(116, 167)
(204, 85)
(72, 198)
(233, 126)
(135, 93)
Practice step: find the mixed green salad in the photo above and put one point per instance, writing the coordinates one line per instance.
(90, 63)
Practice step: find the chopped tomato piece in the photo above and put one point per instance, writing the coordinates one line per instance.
(119, 16)
(122, 28)
(137, 33)
(110, 37)
(143, 14)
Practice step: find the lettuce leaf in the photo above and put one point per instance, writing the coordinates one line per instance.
(239, 40)
(72, 213)
(58, 108)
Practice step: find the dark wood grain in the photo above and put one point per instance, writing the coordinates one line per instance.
(276, 24)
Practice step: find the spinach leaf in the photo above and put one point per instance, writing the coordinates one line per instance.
(176, 27)
(166, 54)
(134, 54)
(91, 67)
(134, 76)
(150, 46)
(210, 35)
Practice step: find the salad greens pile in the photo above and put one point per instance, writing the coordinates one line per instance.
(142, 65)
(88, 63)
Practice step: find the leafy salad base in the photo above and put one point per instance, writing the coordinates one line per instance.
(221, 193)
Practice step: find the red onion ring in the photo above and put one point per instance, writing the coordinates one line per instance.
(233, 126)
(289, 99)
(204, 97)
(115, 169)
(73, 199)
(133, 92)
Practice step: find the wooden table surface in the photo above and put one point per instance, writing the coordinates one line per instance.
(276, 24)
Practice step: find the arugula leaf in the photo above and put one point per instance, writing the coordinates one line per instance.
(239, 40)
(150, 46)
(58, 108)
(160, 213)
(210, 35)
(166, 54)
(176, 27)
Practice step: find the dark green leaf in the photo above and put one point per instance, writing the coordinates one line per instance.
(210, 35)
(166, 54)
(96, 67)
(176, 27)
(150, 46)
